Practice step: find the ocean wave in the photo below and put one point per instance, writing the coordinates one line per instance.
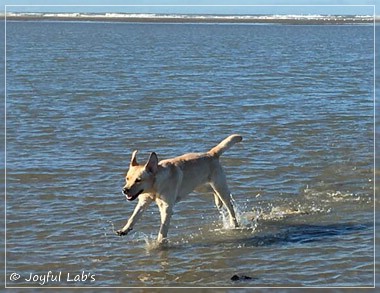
(274, 17)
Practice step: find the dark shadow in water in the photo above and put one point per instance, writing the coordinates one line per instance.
(306, 233)
(294, 233)
(298, 233)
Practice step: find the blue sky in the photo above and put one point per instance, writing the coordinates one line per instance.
(269, 6)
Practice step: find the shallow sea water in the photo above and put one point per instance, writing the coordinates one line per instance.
(82, 96)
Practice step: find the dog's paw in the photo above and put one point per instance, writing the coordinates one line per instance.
(121, 232)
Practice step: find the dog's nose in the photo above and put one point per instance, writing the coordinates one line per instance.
(125, 190)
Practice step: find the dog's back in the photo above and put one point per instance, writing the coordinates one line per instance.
(215, 152)
(194, 169)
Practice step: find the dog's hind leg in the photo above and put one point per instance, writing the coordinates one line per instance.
(220, 187)
(218, 202)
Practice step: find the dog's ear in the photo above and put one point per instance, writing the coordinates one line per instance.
(152, 164)
(134, 159)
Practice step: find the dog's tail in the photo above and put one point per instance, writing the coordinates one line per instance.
(225, 145)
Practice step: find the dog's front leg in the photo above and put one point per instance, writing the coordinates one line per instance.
(166, 211)
(141, 206)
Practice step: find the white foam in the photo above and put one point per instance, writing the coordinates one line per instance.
(196, 17)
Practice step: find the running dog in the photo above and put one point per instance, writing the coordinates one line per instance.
(169, 181)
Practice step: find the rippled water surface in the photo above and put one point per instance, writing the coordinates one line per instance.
(82, 96)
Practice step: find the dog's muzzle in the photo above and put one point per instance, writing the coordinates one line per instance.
(130, 196)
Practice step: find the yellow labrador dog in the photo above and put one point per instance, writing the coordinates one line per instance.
(169, 181)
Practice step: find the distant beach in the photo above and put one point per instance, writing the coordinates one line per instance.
(191, 18)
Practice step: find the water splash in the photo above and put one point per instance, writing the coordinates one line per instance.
(282, 212)
(333, 196)
(152, 244)
(244, 215)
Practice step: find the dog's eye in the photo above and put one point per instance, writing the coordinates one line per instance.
(138, 180)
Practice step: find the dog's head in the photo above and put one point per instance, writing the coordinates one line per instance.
(140, 178)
